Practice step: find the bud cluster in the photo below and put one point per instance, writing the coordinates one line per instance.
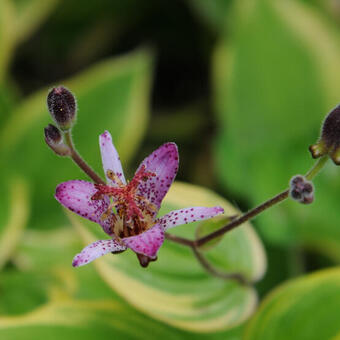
(63, 107)
(301, 190)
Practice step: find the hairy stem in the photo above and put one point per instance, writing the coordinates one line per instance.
(316, 168)
(79, 160)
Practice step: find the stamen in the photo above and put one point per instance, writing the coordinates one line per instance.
(134, 212)
(114, 178)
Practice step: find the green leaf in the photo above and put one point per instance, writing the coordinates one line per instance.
(175, 288)
(29, 14)
(92, 320)
(7, 35)
(305, 308)
(13, 214)
(49, 281)
(275, 79)
(18, 20)
(214, 12)
(112, 95)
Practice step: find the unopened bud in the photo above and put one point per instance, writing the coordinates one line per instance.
(301, 190)
(54, 140)
(329, 142)
(62, 106)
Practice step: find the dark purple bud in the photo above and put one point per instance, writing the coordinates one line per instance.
(301, 190)
(54, 140)
(52, 134)
(62, 106)
(329, 142)
(296, 194)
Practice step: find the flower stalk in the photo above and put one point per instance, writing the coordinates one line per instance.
(80, 161)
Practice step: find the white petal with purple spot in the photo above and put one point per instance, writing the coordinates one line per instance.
(188, 215)
(76, 196)
(148, 242)
(110, 158)
(164, 163)
(95, 250)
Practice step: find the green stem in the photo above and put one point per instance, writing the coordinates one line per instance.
(317, 167)
(79, 160)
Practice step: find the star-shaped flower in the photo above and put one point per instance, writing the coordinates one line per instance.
(127, 212)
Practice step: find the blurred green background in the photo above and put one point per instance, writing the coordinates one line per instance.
(242, 87)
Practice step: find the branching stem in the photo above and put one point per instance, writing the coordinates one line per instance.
(249, 214)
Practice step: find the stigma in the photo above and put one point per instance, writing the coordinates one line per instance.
(134, 212)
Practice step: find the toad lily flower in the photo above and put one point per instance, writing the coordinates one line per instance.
(127, 212)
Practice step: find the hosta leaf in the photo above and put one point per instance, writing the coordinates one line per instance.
(213, 11)
(18, 20)
(14, 211)
(112, 95)
(92, 320)
(29, 14)
(6, 36)
(207, 227)
(273, 88)
(175, 288)
(303, 309)
(49, 279)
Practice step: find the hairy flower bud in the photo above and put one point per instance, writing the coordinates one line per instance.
(329, 142)
(54, 140)
(301, 190)
(62, 106)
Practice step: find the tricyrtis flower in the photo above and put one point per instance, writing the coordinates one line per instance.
(127, 212)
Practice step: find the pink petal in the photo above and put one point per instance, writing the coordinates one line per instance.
(148, 242)
(95, 250)
(76, 196)
(110, 157)
(164, 163)
(188, 215)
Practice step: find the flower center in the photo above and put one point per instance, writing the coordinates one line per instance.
(134, 212)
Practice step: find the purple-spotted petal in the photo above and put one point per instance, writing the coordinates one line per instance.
(76, 196)
(148, 242)
(95, 250)
(164, 163)
(110, 158)
(188, 215)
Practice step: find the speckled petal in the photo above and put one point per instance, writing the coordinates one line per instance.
(188, 215)
(164, 163)
(148, 242)
(95, 250)
(110, 157)
(76, 196)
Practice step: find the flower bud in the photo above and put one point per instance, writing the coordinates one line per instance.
(62, 106)
(54, 140)
(329, 142)
(301, 190)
